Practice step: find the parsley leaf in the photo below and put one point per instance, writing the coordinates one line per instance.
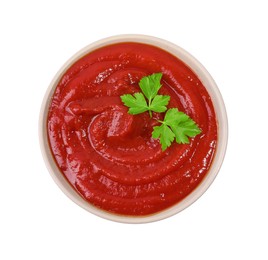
(156, 103)
(165, 135)
(159, 103)
(181, 126)
(150, 85)
(136, 103)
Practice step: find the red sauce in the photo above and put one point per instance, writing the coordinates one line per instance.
(108, 155)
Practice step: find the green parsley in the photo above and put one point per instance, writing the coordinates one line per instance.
(136, 103)
(176, 124)
(149, 86)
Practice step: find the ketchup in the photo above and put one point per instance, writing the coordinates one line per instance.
(109, 156)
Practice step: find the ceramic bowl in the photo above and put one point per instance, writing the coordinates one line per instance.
(207, 81)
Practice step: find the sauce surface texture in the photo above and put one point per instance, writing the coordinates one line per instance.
(108, 155)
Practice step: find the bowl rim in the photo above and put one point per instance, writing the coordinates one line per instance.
(218, 104)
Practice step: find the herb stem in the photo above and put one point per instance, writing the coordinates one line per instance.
(149, 105)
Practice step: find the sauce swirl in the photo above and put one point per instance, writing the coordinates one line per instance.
(108, 155)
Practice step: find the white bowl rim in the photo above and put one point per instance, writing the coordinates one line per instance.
(219, 107)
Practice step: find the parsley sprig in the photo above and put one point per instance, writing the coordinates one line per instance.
(176, 124)
(138, 104)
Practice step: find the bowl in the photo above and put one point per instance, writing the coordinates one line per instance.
(219, 107)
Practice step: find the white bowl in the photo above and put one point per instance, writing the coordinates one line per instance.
(219, 107)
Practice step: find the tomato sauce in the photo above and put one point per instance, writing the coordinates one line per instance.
(108, 155)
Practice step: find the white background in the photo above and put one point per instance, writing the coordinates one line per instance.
(228, 222)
